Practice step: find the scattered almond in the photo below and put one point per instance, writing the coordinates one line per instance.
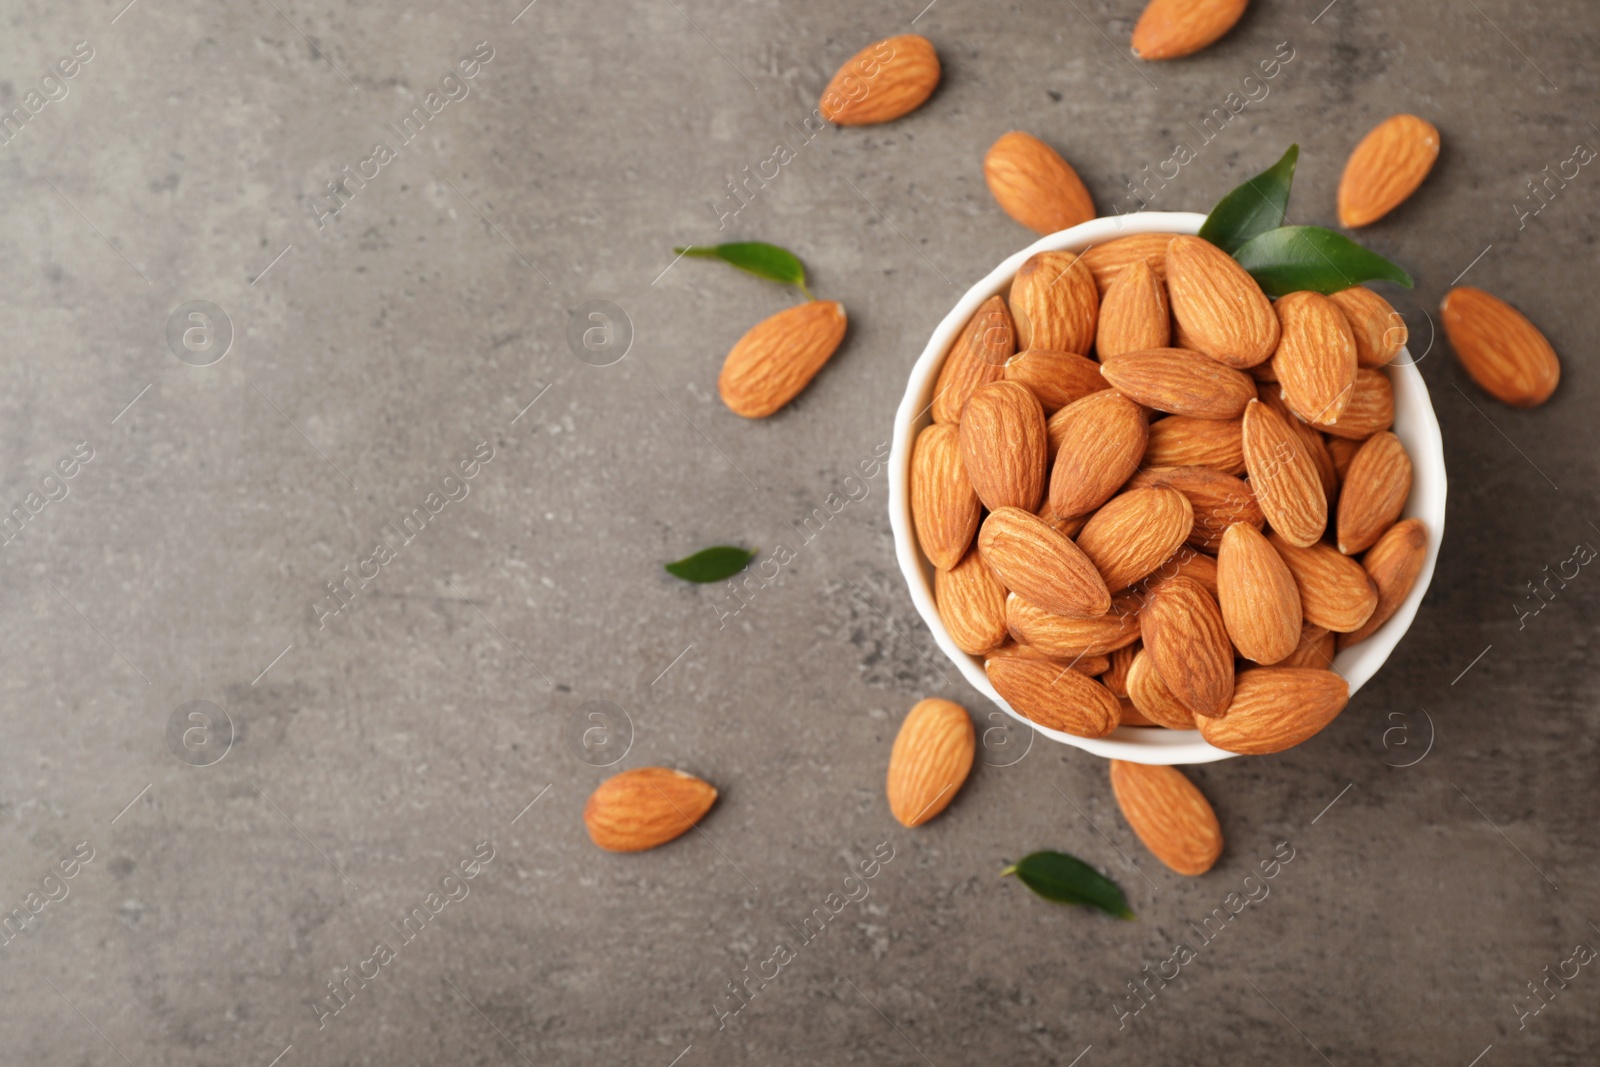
(779, 356)
(1170, 815)
(1386, 167)
(882, 82)
(1034, 185)
(1170, 29)
(1505, 353)
(1004, 445)
(931, 758)
(645, 807)
(1375, 492)
(944, 507)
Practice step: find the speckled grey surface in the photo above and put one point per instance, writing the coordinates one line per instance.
(373, 754)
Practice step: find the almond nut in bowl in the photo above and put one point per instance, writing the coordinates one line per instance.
(1061, 516)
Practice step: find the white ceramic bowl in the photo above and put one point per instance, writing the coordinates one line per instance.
(1414, 424)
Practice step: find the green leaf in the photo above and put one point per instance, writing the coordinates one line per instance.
(1254, 207)
(1292, 258)
(711, 564)
(1068, 880)
(757, 257)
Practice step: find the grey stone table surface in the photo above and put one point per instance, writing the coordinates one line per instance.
(380, 341)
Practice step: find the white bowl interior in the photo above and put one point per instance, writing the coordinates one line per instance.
(1414, 424)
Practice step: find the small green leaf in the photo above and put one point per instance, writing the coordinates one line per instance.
(1068, 880)
(1254, 207)
(757, 257)
(711, 564)
(1292, 258)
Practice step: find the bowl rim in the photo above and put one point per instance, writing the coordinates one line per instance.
(1419, 433)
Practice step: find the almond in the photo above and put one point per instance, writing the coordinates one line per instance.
(1170, 29)
(1133, 313)
(1375, 492)
(1136, 532)
(972, 605)
(931, 757)
(882, 82)
(1316, 356)
(1222, 310)
(1379, 330)
(1343, 450)
(1185, 563)
(1257, 593)
(1275, 708)
(1004, 444)
(1218, 500)
(1283, 476)
(977, 358)
(1086, 664)
(1386, 167)
(1054, 303)
(1040, 564)
(1035, 186)
(1056, 378)
(1064, 637)
(780, 355)
(1053, 696)
(944, 508)
(1099, 441)
(1315, 649)
(1315, 445)
(1152, 697)
(1183, 441)
(1505, 353)
(1169, 814)
(1131, 716)
(1186, 638)
(1334, 591)
(645, 807)
(1115, 677)
(1107, 261)
(1179, 382)
(1371, 407)
(1393, 564)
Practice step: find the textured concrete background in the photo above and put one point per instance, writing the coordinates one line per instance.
(371, 755)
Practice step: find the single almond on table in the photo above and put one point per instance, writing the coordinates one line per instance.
(977, 358)
(1258, 596)
(1222, 310)
(1184, 441)
(1218, 500)
(1275, 708)
(1034, 185)
(1371, 407)
(1375, 492)
(1505, 353)
(944, 507)
(1135, 532)
(1393, 564)
(972, 604)
(1098, 443)
(1107, 261)
(1056, 378)
(1386, 167)
(1004, 445)
(1334, 591)
(1184, 634)
(1133, 313)
(1115, 677)
(1179, 382)
(1054, 303)
(1284, 477)
(883, 81)
(1171, 29)
(1151, 696)
(1316, 648)
(645, 807)
(1055, 697)
(1379, 330)
(779, 356)
(931, 757)
(1316, 445)
(1316, 356)
(1036, 562)
(1343, 450)
(1170, 815)
(1065, 637)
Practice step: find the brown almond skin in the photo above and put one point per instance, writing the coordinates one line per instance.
(1034, 561)
(1133, 313)
(1107, 261)
(1378, 328)
(1386, 168)
(1334, 591)
(1179, 382)
(1054, 696)
(1316, 357)
(1135, 532)
(1085, 663)
(1064, 637)
(1187, 562)
(1035, 186)
(1152, 697)
(931, 758)
(645, 807)
(882, 82)
(1258, 596)
(1218, 500)
(779, 356)
(972, 605)
(1115, 677)
(1222, 310)
(1099, 442)
(1004, 445)
(1184, 634)
(1131, 716)
(1283, 476)
(1315, 445)
(1375, 492)
(1171, 29)
(944, 508)
(1054, 303)
(1343, 450)
(1275, 708)
(1170, 815)
(1504, 352)
(1184, 441)
(1056, 378)
(1393, 564)
(1371, 407)
(977, 358)
(1316, 648)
